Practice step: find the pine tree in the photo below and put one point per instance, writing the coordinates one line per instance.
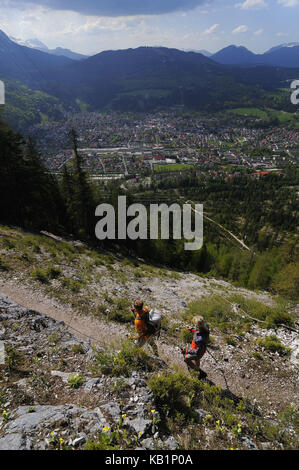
(83, 203)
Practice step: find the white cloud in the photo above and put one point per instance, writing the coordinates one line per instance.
(240, 29)
(253, 5)
(259, 31)
(211, 29)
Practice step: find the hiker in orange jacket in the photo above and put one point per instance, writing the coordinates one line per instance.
(199, 345)
(143, 334)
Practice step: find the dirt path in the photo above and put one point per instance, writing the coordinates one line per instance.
(85, 327)
(228, 373)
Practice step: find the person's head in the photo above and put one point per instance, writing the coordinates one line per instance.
(138, 305)
(199, 323)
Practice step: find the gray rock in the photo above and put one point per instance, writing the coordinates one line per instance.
(113, 409)
(79, 440)
(145, 396)
(90, 384)
(148, 444)
(64, 375)
(139, 425)
(40, 323)
(171, 443)
(249, 443)
(15, 441)
(266, 445)
(30, 422)
(200, 415)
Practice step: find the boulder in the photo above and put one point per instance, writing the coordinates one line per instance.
(171, 443)
(15, 441)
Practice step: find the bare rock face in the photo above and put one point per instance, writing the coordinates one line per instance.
(15, 441)
(47, 426)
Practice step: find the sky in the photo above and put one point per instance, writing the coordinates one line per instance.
(91, 26)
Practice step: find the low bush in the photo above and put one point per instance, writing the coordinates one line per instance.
(121, 312)
(72, 284)
(123, 362)
(171, 391)
(215, 310)
(40, 275)
(272, 315)
(272, 343)
(45, 275)
(75, 380)
(3, 265)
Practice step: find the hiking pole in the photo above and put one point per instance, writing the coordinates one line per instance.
(221, 370)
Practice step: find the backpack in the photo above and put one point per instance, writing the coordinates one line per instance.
(153, 321)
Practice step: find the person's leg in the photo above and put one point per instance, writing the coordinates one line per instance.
(191, 363)
(153, 344)
(140, 341)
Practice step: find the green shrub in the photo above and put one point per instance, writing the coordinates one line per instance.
(257, 355)
(231, 341)
(272, 343)
(78, 349)
(287, 281)
(120, 316)
(75, 380)
(171, 390)
(186, 336)
(215, 310)
(13, 357)
(40, 275)
(72, 284)
(31, 241)
(121, 312)
(54, 272)
(8, 244)
(122, 363)
(3, 265)
(279, 317)
(44, 275)
(272, 315)
(106, 441)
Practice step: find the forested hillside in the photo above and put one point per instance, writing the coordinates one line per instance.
(261, 212)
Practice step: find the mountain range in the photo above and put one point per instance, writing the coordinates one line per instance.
(285, 55)
(40, 46)
(146, 78)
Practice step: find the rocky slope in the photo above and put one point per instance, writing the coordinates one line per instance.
(68, 317)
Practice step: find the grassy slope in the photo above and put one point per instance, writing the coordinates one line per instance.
(93, 282)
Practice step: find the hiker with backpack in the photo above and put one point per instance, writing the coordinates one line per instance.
(200, 341)
(147, 325)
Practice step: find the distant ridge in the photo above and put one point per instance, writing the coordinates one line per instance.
(40, 46)
(285, 55)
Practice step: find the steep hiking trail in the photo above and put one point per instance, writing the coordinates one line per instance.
(91, 292)
(229, 367)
